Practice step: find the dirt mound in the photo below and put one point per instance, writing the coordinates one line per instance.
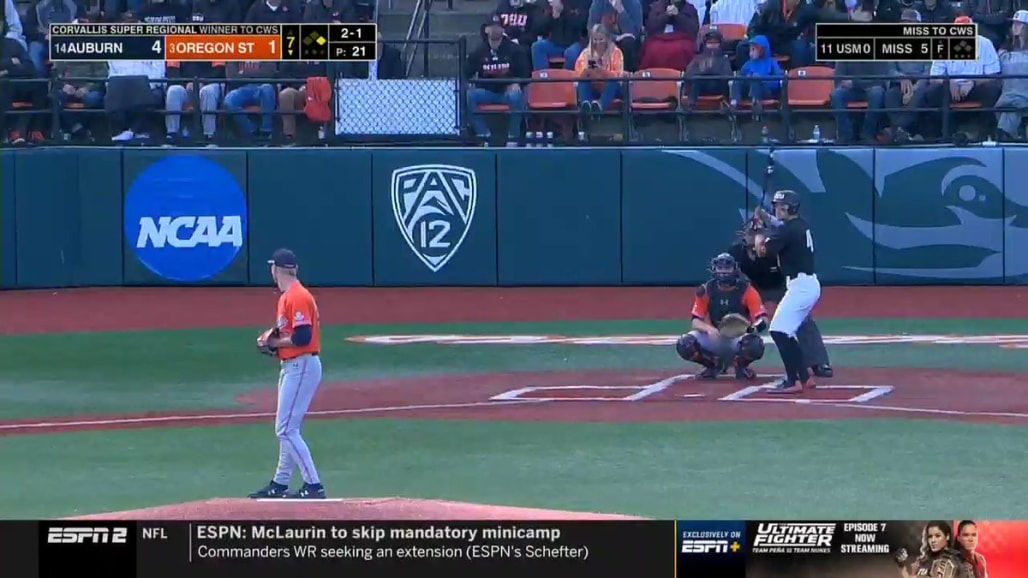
(343, 509)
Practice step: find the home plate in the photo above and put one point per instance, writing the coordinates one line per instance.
(824, 393)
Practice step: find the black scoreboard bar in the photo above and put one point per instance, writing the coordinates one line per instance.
(893, 42)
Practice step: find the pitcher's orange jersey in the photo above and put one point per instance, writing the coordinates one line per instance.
(296, 307)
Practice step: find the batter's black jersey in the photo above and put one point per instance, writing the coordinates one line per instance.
(762, 272)
(793, 245)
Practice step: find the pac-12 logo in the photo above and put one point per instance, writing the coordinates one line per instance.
(185, 218)
(434, 206)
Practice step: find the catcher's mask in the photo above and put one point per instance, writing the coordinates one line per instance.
(788, 199)
(725, 269)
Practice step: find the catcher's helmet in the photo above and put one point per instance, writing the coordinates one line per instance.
(790, 199)
(725, 269)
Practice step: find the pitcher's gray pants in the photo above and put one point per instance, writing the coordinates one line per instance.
(297, 383)
(812, 343)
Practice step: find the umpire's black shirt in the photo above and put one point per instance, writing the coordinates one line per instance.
(762, 271)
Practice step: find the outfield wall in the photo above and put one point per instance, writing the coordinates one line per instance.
(394, 217)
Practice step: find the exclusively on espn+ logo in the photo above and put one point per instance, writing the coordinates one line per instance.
(711, 541)
(86, 535)
(793, 538)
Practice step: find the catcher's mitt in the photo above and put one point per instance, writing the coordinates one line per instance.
(733, 325)
(262, 342)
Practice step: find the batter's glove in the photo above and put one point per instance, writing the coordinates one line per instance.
(733, 325)
(262, 342)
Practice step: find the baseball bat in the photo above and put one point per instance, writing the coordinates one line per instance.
(769, 173)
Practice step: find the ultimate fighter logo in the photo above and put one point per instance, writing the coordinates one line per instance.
(793, 538)
(434, 206)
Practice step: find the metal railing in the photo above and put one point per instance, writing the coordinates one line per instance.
(419, 29)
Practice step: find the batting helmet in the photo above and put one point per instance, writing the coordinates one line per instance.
(787, 198)
(725, 269)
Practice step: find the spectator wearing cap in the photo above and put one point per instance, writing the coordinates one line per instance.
(671, 30)
(992, 18)
(860, 86)
(957, 78)
(708, 73)
(935, 11)
(562, 26)
(601, 66)
(41, 14)
(624, 20)
(497, 59)
(911, 78)
(788, 25)
(1015, 90)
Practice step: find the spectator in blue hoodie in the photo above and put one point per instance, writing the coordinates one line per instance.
(563, 25)
(624, 20)
(761, 63)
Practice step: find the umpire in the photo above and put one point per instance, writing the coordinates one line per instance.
(765, 277)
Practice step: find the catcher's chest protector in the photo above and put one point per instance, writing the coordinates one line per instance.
(724, 302)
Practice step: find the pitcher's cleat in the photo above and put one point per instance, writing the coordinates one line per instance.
(308, 492)
(272, 490)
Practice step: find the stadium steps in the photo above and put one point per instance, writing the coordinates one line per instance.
(465, 19)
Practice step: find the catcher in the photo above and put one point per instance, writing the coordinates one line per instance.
(938, 558)
(727, 318)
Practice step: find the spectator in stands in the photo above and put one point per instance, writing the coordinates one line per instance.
(250, 85)
(390, 62)
(731, 11)
(788, 26)
(624, 20)
(325, 11)
(960, 88)
(831, 10)
(274, 12)
(74, 89)
(562, 26)
(859, 10)
(760, 64)
(497, 58)
(182, 92)
(41, 14)
(889, 11)
(863, 88)
(601, 66)
(134, 91)
(708, 73)
(16, 65)
(164, 12)
(935, 11)
(12, 24)
(521, 20)
(901, 91)
(1015, 90)
(216, 12)
(671, 30)
(992, 17)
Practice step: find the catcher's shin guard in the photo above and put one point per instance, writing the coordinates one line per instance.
(749, 349)
(690, 349)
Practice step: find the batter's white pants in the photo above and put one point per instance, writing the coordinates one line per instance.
(801, 295)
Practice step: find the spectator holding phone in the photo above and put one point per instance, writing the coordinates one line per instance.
(624, 20)
(601, 66)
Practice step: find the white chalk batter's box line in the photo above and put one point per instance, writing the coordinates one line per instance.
(750, 393)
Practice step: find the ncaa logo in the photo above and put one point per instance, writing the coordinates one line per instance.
(185, 218)
(434, 206)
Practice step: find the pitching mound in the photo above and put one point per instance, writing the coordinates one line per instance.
(343, 509)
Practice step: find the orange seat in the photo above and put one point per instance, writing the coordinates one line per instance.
(21, 105)
(253, 108)
(965, 105)
(553, 95)
(765, 104)
(730, 31)
(709, 102)
(75, 105)
(811, 86)
(858, 104)
(556, 62)
(782, 58)
(655, 89)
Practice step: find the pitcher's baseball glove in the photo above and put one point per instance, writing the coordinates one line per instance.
(733, 325)
(262, 342)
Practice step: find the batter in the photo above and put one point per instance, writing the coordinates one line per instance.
(296, 342)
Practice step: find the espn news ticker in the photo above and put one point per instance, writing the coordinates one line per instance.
(495, 549)
(213, 42)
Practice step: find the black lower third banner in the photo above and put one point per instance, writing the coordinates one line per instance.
(524, 549)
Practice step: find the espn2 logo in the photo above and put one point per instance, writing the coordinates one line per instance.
(705, 546)
(87, 535)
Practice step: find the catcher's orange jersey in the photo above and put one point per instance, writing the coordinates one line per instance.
(750, 298)
(296, 307)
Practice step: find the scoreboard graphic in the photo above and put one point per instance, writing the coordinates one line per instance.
(861, 42)
(213, 42)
